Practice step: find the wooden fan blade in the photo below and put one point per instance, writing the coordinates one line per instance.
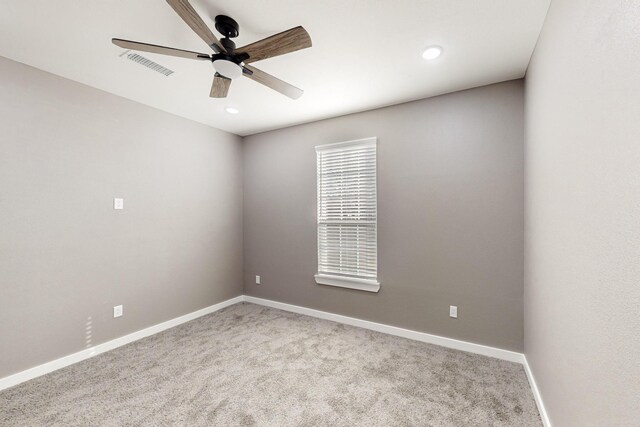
(193, 20)
(220, 86)
(146, 47)
(287, 41)
(273, 83)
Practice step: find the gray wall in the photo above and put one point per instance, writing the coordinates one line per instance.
(66, 256)
(450, 208)
(582, 324)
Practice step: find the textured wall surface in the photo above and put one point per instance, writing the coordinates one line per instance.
(66, 256)
(582, 290)
(450, 215)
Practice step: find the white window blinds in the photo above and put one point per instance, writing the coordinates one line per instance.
(347, 215)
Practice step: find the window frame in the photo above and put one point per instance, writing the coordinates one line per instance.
(351, 282)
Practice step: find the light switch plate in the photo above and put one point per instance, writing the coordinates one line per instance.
(453, 311)
(118, 203)
(257, 280)
(117, 311)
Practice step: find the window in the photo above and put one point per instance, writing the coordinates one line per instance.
(347, 215)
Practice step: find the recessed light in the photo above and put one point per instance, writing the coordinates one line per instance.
(432, 52)
(232, 110)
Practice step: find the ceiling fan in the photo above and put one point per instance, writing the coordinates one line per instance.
(231, 62)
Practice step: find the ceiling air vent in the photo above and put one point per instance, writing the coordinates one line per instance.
(149, 64)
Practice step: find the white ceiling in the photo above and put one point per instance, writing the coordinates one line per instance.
(365, 54)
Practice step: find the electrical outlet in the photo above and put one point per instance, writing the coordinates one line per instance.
(118, 203)
(257, 280)
(453, 311)
(117, 311)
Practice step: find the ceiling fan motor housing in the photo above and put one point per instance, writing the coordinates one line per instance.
(228, 44)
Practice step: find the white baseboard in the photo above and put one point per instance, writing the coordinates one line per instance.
(62, 362)
(484, 350)
(536, 394)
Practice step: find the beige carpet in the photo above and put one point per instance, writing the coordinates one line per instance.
(250, 365)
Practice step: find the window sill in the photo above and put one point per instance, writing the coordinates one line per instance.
(369, 285)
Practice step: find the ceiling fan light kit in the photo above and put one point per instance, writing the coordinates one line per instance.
(226, 67)
(228, 61)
